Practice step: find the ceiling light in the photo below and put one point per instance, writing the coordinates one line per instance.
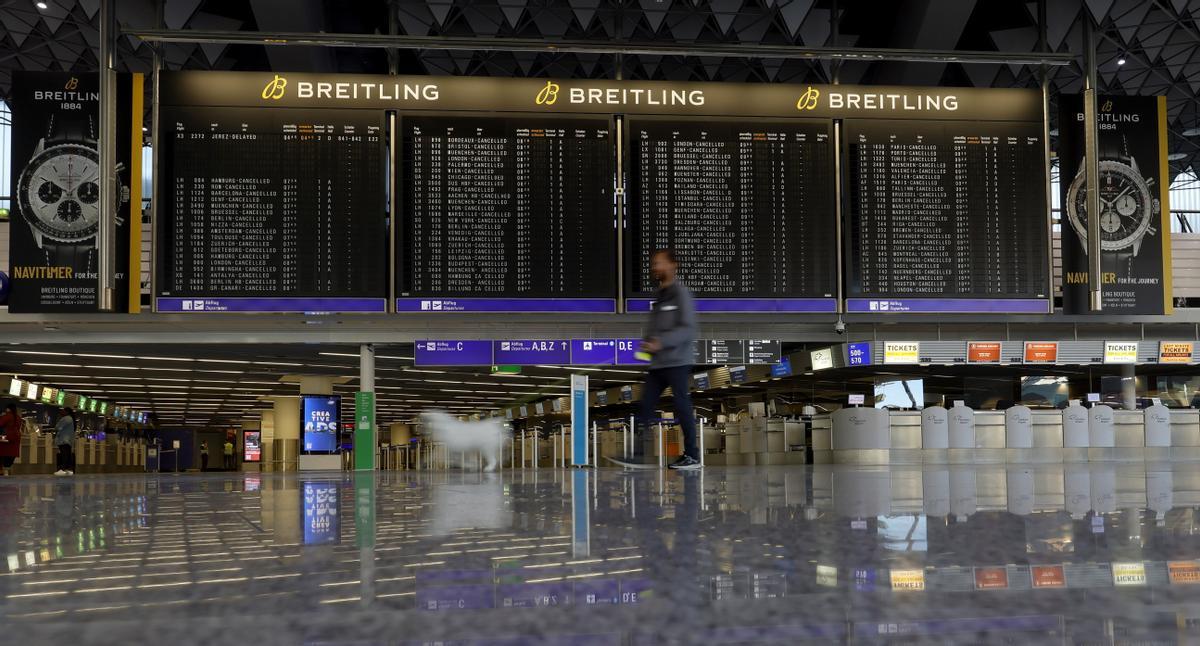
(41, 5)
(1172, 157)
(1121, 61)
(1190, 132)
(168, 358)
(54, 365)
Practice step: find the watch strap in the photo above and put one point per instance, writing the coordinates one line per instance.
(78, 256)
(70, 128)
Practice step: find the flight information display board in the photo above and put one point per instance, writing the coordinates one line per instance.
(506, 214)
(946, 217)
(747, 205)
(272, 210)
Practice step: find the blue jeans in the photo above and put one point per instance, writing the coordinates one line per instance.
(679, 379)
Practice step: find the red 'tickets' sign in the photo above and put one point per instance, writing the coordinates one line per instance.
(983, 352)
(1041, 352)
(1048, 576)
(1183, 572)
(990, 578)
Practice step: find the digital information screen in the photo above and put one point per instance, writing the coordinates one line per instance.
(272, 210)
(946, 217)
(321, 415)
(747, 205)
(509, 214)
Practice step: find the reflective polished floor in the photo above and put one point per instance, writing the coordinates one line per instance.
(1083, 554)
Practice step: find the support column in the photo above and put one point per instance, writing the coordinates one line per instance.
(286, 440)
(366, 434)
(1128, 388)
(106, 232)
(267, 425)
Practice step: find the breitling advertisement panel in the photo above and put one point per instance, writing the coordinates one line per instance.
(1135, 232)
(486, 94)
(55, 179)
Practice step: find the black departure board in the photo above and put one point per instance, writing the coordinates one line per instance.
(272, 210)
(949, 215)
(507, 214)
(747, 206)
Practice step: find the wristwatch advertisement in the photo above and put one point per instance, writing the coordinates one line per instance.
(1134, 214)
(56, 189)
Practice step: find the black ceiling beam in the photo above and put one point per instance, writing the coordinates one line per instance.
(733, 50)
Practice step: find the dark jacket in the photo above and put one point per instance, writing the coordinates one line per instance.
(673, 323)
(10, 427)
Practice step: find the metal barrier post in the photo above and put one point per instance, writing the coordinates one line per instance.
(523, 450)
(701, 440)
(595, 439)
(660, 443)
(562, 443)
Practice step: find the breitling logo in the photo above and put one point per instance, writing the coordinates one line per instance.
(808, 100)
(275, 89)
(72, 83)
(548, 94)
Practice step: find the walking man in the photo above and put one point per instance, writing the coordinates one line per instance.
(64, 437)
(669, 339)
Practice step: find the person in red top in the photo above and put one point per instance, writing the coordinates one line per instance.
(10, 439)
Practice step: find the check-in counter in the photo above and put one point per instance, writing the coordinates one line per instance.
(1018, 436)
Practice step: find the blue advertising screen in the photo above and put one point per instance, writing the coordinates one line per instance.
(320, 415)
(322, 525)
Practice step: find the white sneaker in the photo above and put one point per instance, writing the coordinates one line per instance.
(60, 472)
(70, 473)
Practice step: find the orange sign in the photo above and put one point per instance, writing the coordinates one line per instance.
(1048, 576)
(1183, 572)
(1041, 352)
(983, 352)
(991, 578)
(1175, 352)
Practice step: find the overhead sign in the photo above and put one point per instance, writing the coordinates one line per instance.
(1183, 572)
(908, 579)
(720, 351)
(991, 578)
(983, 352)
(1121, 352)
(1047, 576)
(1178, 352)
(1135, 217)
(737, 374)
(827, 576)
(901, 352)
(1129, 574)
(759, 351)
(701, 380)
(453, 353)
(596, 96)
(627, 351)
(1041, 351)
(530, 352)
(858, 353)
(593, 352)
(782, 369)
(821, 359)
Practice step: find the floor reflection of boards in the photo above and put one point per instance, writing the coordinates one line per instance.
(633, 465)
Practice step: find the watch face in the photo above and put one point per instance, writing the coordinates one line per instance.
(1126, 206)
(59, 193)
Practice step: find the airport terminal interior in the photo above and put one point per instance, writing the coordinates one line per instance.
(600, 322)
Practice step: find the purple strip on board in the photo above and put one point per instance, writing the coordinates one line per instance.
(803, 305)
(206, 304)
(948, 305)
(437, 305)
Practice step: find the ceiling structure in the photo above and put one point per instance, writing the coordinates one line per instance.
(1158, 40)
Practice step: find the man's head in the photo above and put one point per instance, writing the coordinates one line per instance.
(68, 412)
(663, 266)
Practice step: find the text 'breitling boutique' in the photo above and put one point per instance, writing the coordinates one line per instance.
(357, 193)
